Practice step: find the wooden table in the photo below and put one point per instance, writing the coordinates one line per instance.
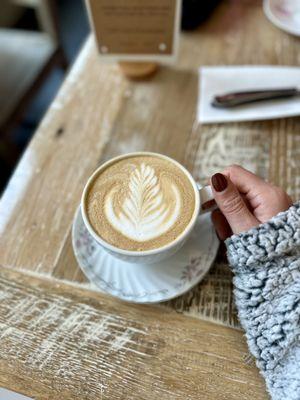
(58, 338)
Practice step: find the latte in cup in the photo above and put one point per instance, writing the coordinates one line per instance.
(140, 203)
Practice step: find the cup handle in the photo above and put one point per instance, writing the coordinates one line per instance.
(206, 194)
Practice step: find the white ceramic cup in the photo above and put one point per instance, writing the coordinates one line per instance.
(202, 195)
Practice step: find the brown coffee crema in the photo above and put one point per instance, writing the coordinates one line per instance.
(140, 203)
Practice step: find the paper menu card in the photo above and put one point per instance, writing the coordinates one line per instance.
(136, 30)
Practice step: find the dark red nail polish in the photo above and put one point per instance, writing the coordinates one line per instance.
(219, 182)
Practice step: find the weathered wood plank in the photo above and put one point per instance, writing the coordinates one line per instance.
(39, 203)
(60, 341)
(99, 114)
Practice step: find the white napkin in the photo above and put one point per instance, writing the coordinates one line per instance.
(220, 80)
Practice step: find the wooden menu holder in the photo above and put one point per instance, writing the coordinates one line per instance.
(138, 70)
(137, 34)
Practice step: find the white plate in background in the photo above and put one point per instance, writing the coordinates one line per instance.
(285, 14)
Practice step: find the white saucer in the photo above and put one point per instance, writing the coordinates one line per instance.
(142, 283)
(285, 14)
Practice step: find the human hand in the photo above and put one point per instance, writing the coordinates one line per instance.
(244, 201)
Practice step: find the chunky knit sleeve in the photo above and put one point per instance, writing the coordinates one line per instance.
(266, 264)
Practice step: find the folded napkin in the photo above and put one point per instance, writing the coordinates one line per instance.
(219, 80)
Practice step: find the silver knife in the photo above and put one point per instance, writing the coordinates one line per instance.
(234, 99)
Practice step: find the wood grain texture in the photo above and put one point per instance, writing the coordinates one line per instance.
(96, 115)
(50, 183)
(99, 114)
(60, 341)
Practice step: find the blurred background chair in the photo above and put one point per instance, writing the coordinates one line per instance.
(27, 58)
(35, 36)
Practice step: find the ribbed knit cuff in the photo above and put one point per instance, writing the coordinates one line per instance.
(264, 243)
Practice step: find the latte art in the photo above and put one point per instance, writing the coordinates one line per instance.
(145, 214)
(140, 203)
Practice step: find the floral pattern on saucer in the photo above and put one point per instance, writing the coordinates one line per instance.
(144, 283)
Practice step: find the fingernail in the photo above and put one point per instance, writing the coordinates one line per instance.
(219, 182)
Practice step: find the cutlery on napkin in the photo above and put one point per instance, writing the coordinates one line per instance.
(241, 85)
(235, 99)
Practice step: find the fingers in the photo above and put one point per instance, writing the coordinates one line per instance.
(244, 180)
(221, 225)
(208, 204)
(261, 197)
(232, 205)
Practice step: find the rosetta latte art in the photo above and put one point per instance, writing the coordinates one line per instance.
(144, 213)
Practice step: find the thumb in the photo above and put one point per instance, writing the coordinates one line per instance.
(232, 205)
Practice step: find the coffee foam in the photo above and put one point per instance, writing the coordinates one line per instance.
(147, 211)
(140, 203)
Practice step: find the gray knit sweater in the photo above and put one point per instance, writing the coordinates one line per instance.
(266, 263)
